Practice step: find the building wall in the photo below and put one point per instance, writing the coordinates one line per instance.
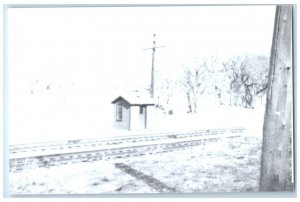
(137, 120)
(134, 123)
(132, 119)
(125, 122)
(150, 117)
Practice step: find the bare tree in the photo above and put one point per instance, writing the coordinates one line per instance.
(195, 81)
(234, 68)
(246, 79)
(260, 68)
(276, 165)
(165, 93)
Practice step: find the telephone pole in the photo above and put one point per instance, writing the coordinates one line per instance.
(152, 69)
(277, 149)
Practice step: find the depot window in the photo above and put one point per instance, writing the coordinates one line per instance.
(119, 111)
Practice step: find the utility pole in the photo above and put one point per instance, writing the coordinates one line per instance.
(277, 150)
(152, 69)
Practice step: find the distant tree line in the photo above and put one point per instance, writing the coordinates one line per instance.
(238, 81)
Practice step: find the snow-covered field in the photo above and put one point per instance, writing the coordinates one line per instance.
(209, 116)
(223, 166)
(226, 166)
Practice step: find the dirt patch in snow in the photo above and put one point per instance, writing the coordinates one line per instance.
(151, 181)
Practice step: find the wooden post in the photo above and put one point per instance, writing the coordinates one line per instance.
(152, 69)
(277, 150)
(152, 85)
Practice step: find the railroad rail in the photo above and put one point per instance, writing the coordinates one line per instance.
(75, 151)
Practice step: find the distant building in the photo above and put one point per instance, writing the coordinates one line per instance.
(131, 112)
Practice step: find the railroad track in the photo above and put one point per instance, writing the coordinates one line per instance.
(76, 151)
(71, 145)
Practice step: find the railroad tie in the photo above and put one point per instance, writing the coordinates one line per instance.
(149, 180)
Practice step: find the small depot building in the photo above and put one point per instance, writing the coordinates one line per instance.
(131, 112)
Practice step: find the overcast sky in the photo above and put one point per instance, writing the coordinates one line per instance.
(79, 53)
(105, 42)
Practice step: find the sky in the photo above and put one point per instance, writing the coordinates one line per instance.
(66, 64)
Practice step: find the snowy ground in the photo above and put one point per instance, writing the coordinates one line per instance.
(226, 166)
(208, 117)
(229, 166)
